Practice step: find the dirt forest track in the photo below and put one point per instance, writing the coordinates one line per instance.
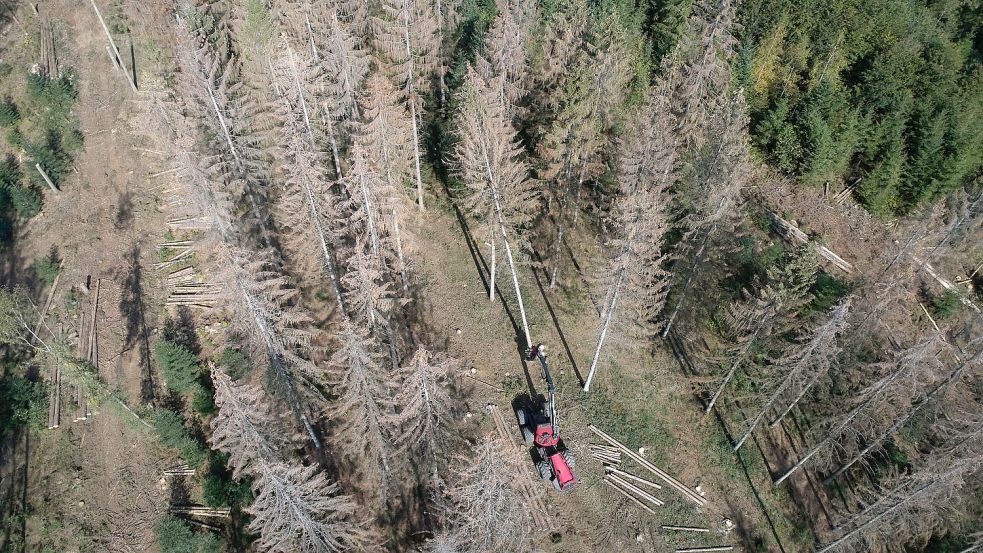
(104, 226)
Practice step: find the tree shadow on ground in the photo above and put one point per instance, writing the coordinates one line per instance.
(482, 268)
(124, 211)
(131, 306)
(556, 320)
(181, 330)
(678, 350)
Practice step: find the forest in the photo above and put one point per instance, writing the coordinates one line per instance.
(275, 275)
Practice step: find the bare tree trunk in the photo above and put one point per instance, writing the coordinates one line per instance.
(604, 330)
(787, 410)
(326, 118)
(369, 220)
(491, 279)
(761, 414)
(732, 371)
(399, 253)
(225, 128)
(412, 100)
(326, 250)
(515, 282)
(440, 54)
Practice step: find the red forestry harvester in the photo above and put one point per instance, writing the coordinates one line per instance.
(540, 428)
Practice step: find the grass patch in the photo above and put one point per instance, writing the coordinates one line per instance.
(47, 269)
(175, 536)
(629, 411)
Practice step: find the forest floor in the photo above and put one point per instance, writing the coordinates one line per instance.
(93, 484)
(640, 396)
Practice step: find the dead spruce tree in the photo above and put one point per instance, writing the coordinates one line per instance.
(563, 35)
(504, 63)
(721, 169)
(369, 294)
(307, 210)
(799, 368)
(337, 69)
(215, 178)
(487, 158)
(298, 510)
(706, 49)
(375, 207)
(244, 426)
(483, 497)
(906, 378)
(447, 16)
(381, 165)
(425, 408)
(363, 412)
(927, 502)
(213, 91)
(806, 363)
(786, 289)
(633, 280)
(582, 112)
(279, 332)
(970, 366)
(406, 42)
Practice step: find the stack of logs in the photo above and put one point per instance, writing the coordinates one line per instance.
(185, 288)
(88, 350)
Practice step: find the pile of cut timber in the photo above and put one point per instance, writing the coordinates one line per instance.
(607, 455)
(686, 492)
(626, 485)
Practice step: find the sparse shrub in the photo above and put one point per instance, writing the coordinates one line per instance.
(218, 487)
(172, 432)
(946, 305)
(9, 114)
(179, 366)
(26, 200)
(826, 292)
(51, 155)
(175, 536)
(47, 269)
(203, 400)
(22, 403)
(10, 174)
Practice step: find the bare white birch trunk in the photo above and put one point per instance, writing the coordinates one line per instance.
(491, 279)
(604, 330)
(412, 100)
(399, 253)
